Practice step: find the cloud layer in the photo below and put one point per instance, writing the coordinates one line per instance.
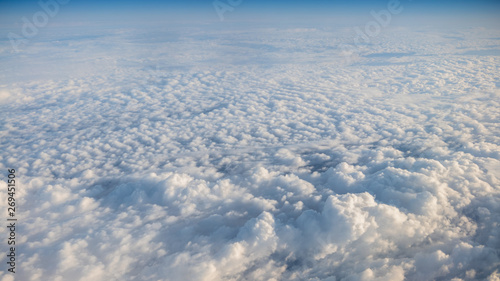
(261, 156)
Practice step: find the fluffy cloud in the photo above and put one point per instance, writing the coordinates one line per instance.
(258, 160)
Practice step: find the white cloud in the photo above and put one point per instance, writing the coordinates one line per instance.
(286, 166)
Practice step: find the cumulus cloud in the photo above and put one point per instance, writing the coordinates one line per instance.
(174, 162)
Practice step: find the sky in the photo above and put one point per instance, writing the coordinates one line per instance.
(146, 11)
(288, 140)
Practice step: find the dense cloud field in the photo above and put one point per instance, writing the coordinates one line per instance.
(253, 153)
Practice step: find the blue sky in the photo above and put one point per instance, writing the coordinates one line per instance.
(204, 10)
(325, 13)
